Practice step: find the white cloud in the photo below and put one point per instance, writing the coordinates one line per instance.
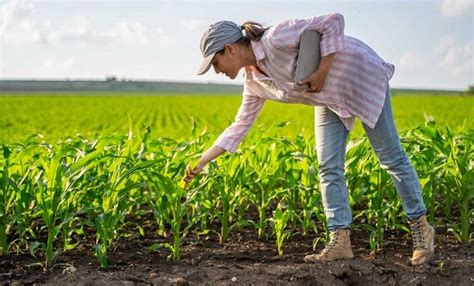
(411, 61)
(16, 25)
(14, 13)
(80, 31)
(77, 31)
(191, 25)
(456, 7)
(19, 27)
(130, 32)
(456, 58)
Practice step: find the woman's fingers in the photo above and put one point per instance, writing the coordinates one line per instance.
(315, 81)
(313, 88)
(190, 176)
(191, 173)
(188, 179)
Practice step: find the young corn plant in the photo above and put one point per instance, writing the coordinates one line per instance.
(265, 185)
(279, 222)
(303, 197)
(24, 207)
(225, 192)
(460, 163)
(378, 207)
(18, 178)
(262, 196)
(291, 159)
(368, 183)
(238, 176)
(171, 204)
(445, 164)
(428, 154)
(358, 177)
(114, 204)
(55, 193)
(302, 181)
(119, 183)
(8, 190)
(226, 186)
(312, 201)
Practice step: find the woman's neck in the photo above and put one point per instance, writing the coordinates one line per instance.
(248, 57)
(250, 61)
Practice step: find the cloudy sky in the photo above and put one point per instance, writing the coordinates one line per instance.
(430, 42)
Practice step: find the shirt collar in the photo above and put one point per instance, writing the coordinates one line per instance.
(251, 75)
(248, 75)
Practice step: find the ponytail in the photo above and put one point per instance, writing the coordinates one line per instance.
(252, 32)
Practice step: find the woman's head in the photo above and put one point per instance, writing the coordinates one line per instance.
(226, 46)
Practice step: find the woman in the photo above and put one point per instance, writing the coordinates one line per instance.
(351, 81)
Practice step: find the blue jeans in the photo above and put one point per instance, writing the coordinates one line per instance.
(331, 137)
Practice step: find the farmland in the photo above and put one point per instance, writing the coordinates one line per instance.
(60, 115)
(102, 182)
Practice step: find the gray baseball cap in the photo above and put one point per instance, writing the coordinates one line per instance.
(214, 40)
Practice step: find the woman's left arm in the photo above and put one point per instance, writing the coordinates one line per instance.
(287, 35)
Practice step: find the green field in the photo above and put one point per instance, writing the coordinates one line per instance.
(58, 115)
(106, 183)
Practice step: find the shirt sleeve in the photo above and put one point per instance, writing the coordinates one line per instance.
(246, 115)
(287, 34)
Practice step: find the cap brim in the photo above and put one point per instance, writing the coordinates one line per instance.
(206, 64)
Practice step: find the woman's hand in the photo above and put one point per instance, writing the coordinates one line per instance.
(316, 80)
(192, 172)
(208, 156)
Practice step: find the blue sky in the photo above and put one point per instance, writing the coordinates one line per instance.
(430, 42)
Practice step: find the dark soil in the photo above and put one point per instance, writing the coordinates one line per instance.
(244, 260)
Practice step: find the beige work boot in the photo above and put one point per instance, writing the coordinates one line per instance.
(339, 247)
(423, 241)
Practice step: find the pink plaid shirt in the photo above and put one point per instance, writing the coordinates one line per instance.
(355, 86)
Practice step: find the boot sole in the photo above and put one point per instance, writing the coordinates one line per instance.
(313, 259)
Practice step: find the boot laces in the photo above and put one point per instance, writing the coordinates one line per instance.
(417, 233)
(333, 237)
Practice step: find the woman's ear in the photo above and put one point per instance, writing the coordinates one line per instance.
(230, 48)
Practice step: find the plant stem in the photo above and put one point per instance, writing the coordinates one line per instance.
(261, 222)
(177, 238)
(3, 239)
(49, 247)
(464, 221)
(225, 221)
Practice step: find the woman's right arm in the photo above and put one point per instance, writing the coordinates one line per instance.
(232, 135)
(208, 156)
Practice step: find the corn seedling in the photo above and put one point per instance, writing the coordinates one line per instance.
(172, 203)
(279, 223)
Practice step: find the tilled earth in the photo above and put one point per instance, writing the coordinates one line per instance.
(244, 260)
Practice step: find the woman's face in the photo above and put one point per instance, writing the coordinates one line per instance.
(228, 62)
